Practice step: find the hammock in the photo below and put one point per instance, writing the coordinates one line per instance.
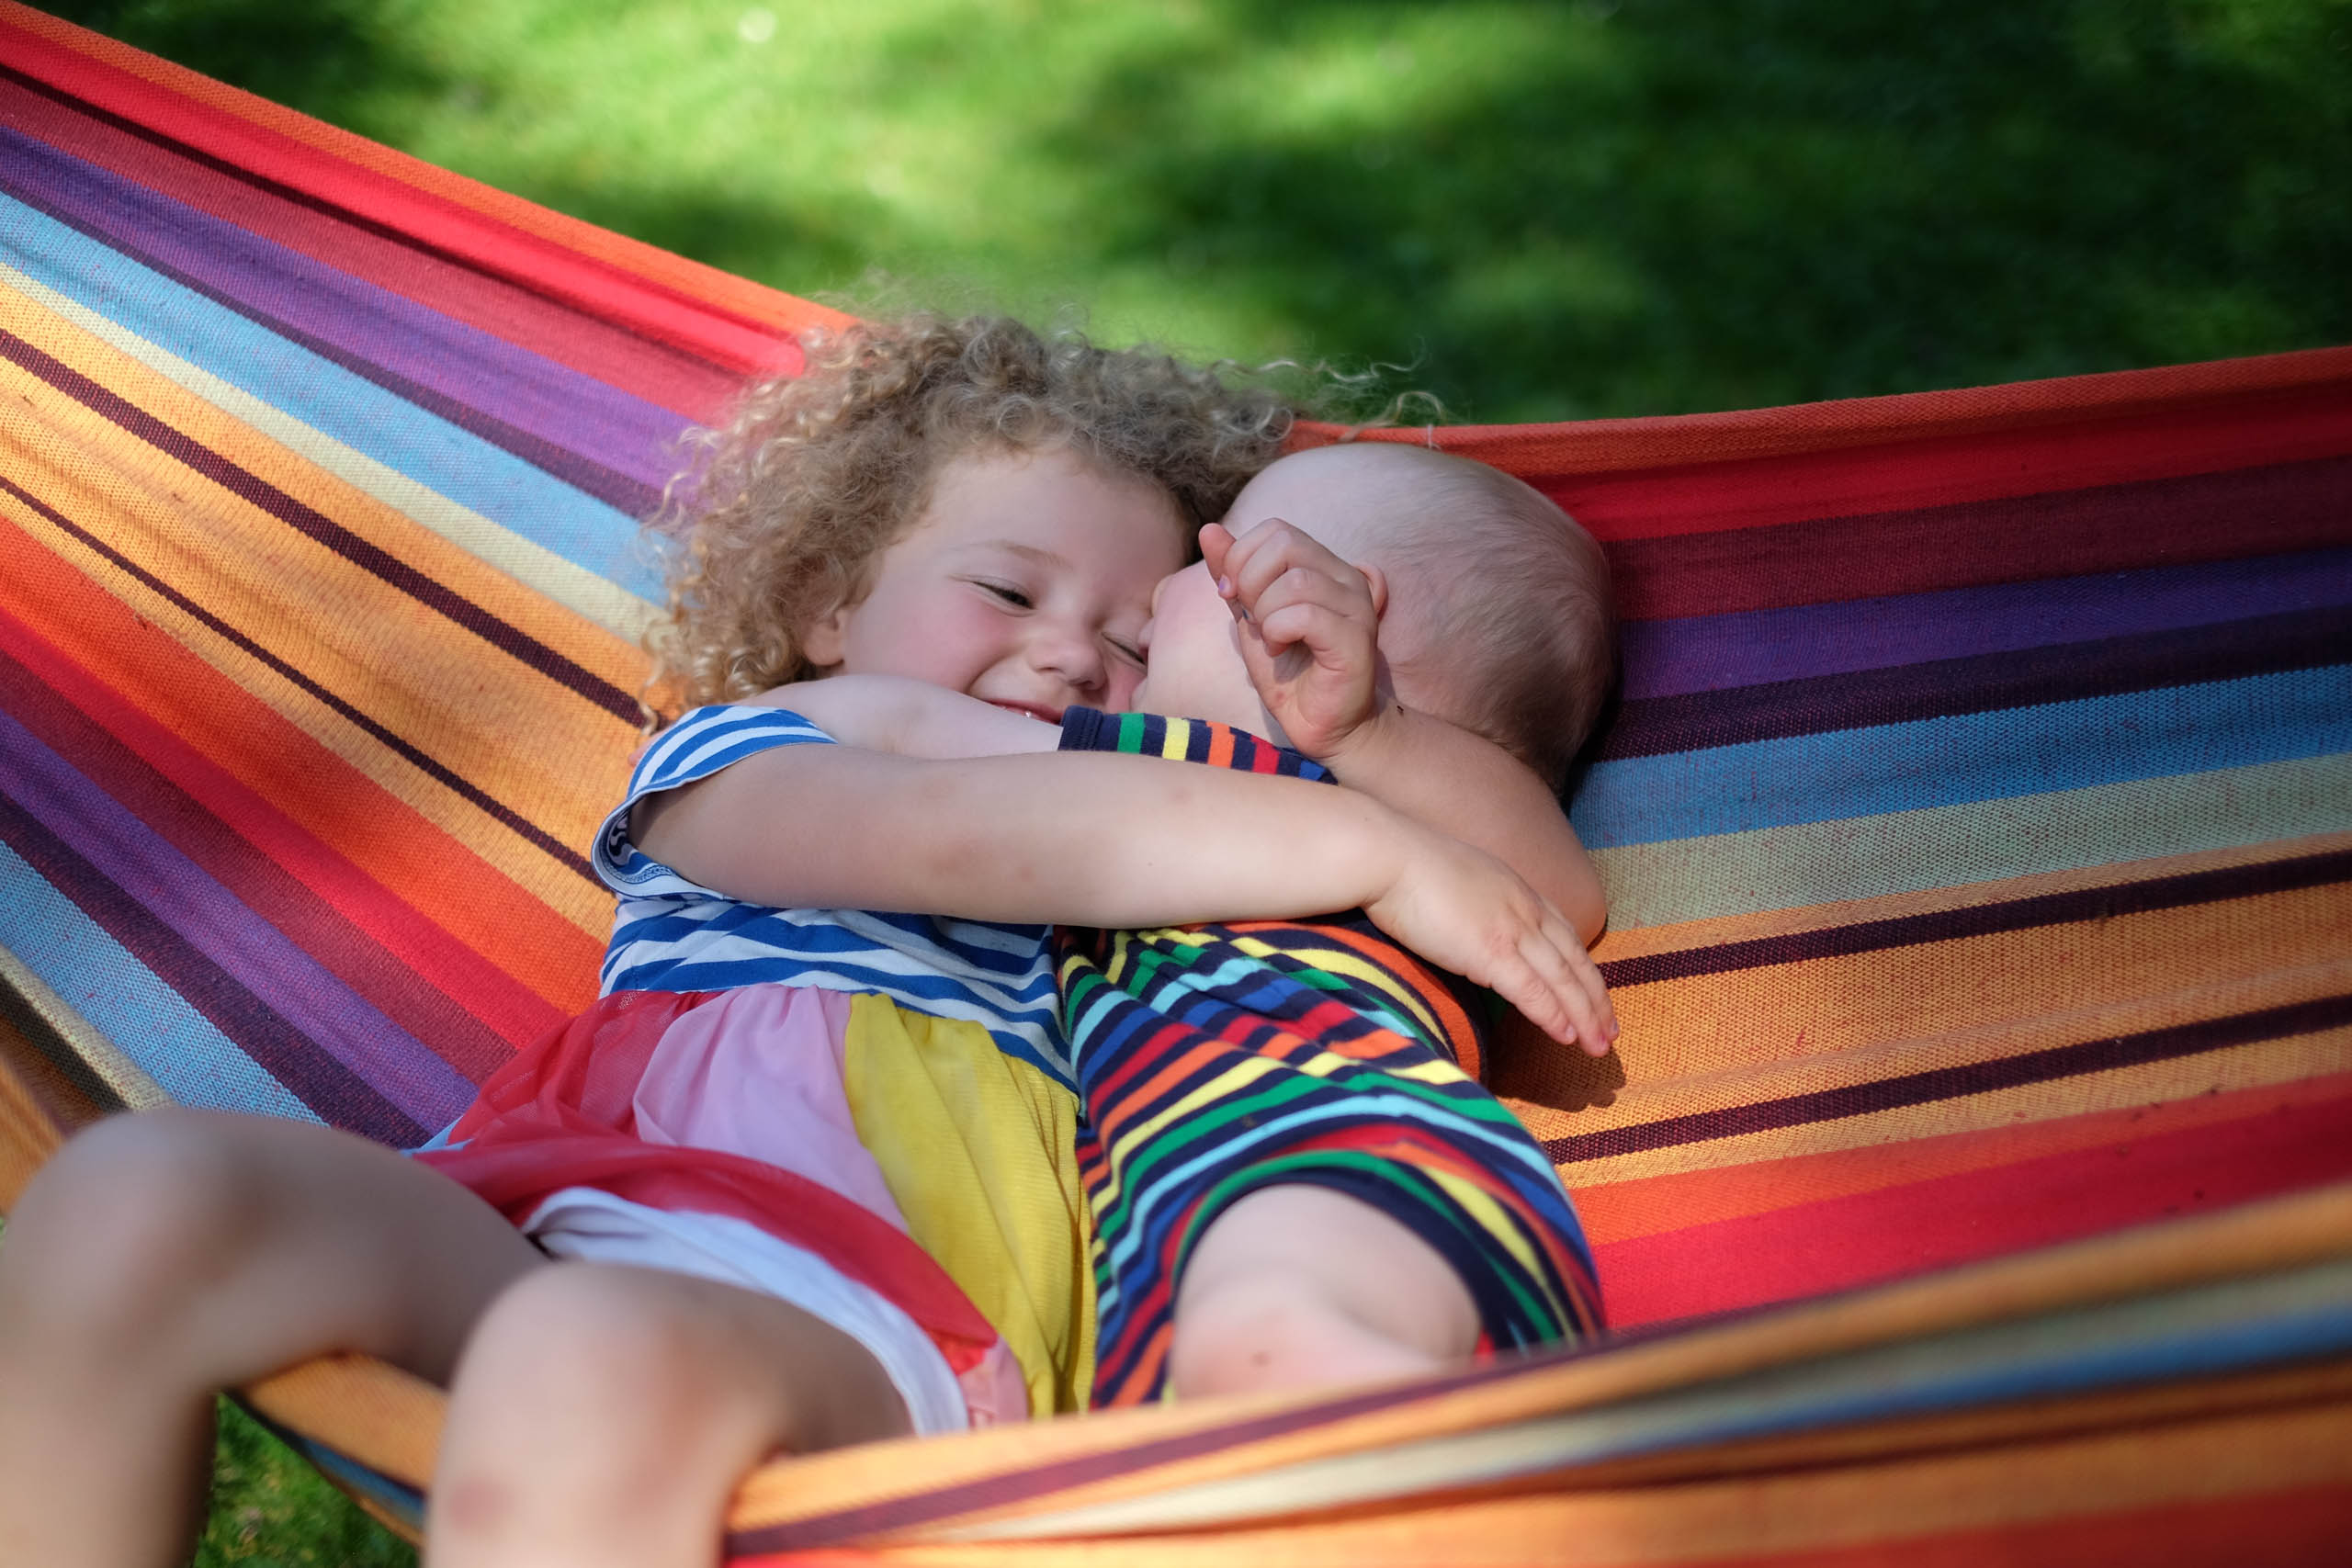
(1974, 1179)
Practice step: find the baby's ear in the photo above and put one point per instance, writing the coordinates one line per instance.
(1377, 581)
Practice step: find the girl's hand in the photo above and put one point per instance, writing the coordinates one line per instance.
(1309, 629)
(1465, 910)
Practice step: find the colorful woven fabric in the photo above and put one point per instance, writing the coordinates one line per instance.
(1977, 826)
(1219, 1060)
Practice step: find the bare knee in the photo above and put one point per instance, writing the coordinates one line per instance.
(129, 1220)
(1299, 1286)
(596, 1343)
(598, 1405)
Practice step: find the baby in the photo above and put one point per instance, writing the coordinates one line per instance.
(1294, 1174)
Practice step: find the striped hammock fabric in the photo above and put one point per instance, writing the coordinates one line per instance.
(1972, 1181)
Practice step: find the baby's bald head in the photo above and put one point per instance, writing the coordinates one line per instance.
(1498, 614)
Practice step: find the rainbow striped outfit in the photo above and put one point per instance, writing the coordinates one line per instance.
(1215, 1060)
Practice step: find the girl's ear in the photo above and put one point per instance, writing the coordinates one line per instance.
(826, 638)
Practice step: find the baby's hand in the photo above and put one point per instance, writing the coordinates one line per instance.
(1309, 626)
(1465, 910)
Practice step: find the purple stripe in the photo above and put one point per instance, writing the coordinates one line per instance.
(1909, 693)
(317, 1079)
(594, 437)
(498, 811)
(1706, 653)
(249, 950)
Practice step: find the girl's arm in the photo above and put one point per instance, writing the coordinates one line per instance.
(1104, 840)
(909, 718)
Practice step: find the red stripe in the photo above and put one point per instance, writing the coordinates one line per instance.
(2001, 464)
(255, 880)
(1895, 1231)
(469, 238)
(2172, 522)
(502, 1004)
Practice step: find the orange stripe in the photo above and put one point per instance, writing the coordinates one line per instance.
(314, 788)
(1816, 1008)
(568, 634)
(170, 520)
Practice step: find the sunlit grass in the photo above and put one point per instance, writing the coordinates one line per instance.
(1555, 209)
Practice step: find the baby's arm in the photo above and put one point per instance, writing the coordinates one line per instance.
(1309, 624)
(1106, 840)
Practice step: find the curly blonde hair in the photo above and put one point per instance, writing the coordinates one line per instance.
(783, 509)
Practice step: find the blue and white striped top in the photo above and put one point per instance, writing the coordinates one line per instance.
(670, 934)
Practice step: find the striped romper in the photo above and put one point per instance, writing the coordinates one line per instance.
(1215, 1060)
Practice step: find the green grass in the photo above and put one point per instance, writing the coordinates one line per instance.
(271, 1510)
(1613, 207)
(1553, 210)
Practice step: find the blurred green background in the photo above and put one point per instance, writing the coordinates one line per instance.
(1547, 210)
(1552, 210)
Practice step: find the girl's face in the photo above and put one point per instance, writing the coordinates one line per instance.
(1026, 583)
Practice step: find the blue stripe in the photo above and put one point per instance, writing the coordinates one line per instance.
(122, 999)
(148, 867)
(516, 495)
(1972, 757)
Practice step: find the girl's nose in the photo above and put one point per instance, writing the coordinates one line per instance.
(1071, 653)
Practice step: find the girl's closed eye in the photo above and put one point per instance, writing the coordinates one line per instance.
(1128, 652)
(1016, 597)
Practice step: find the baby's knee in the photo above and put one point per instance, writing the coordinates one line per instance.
(129, 1218)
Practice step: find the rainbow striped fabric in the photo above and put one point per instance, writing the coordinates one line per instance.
(1977, 826)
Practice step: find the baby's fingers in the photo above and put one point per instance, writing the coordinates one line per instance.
(1588, 1000)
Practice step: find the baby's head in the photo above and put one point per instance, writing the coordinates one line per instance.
(790, 506)
(1498, 616)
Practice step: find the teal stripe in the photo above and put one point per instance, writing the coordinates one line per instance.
(2027, 835)
(322, 394)
(1968, 757)
(122, 998)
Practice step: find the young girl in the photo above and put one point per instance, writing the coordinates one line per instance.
(808, 1166)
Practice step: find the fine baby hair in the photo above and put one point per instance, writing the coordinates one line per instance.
(787, 504)
(1500, 617)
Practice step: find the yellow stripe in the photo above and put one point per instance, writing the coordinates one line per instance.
(1174, 738)
(1348, 964)
(1813, 863)
(606, 603)
(1499, 1226)
(129, 1081)
(1647, 940)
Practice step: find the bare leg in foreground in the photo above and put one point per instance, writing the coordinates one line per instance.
(163, 1256)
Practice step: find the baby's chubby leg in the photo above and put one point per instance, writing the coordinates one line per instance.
(1301, 1286)
(161, 1257)
(603, 1414)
